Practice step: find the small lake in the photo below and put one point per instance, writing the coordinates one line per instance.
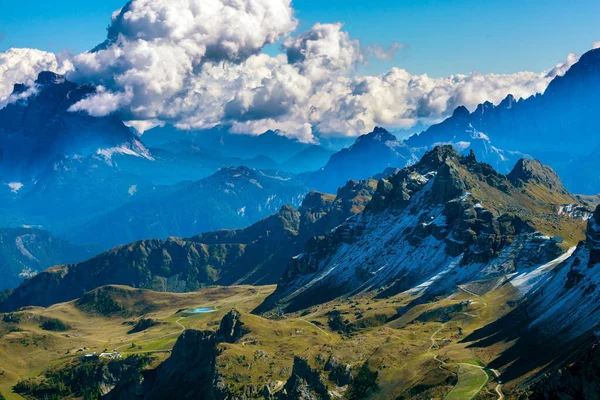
(200, 310)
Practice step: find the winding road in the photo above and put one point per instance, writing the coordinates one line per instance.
(484, 369)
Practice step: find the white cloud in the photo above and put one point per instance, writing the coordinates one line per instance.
(596, 45)
(24, 65)
(323, 51)
(102, 103)
(198, 63)
(156, 48)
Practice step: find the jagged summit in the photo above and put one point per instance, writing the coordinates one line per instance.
(461, 112)
(379, 134)
(425, 220)
(368, 156)
(559, 127)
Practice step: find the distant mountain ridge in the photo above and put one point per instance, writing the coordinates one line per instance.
(257, 254)
(36, 126)
(558, 127)
(233, 197)
(26, 251)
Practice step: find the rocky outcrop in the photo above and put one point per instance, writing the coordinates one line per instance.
(305, 383)
(339, 373)
(527, 171)
(231, 328)
(190, 371)
(593, 237)
(447, 210)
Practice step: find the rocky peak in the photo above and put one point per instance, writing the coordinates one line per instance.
(49, 78)
(508, 102)
(231, 328)
(305, 383)
(379, 134)
(461, 112)
(532, 171)
(433, 159)
(317, 201)
(483, 108)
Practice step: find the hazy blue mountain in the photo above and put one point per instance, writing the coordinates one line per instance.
(369, 155)
(231, 198)
(558, 127)
(310, 159)
(220, 141)
(27, 251)
(36, 126)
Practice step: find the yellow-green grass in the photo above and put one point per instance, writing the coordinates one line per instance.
(400, 350)
(26, 350)
(471, 380)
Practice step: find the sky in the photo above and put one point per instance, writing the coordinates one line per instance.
(310, 68)
(441, 37)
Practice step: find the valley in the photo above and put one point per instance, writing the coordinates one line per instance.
(229, 200)
(399, 350)
(416, 352)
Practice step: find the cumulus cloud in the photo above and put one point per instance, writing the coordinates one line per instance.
(24, 65)
(156, 48)
(323, 51)
(199, 63)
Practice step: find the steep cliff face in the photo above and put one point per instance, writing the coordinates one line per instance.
(191, 370)
(580, 380)
(305, 383)
(429, 227)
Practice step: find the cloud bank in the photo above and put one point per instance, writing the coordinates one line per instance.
(199, 63)
(23, 66)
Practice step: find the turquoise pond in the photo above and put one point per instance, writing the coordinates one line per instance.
(200, 310)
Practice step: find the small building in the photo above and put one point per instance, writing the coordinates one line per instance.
(113, 355)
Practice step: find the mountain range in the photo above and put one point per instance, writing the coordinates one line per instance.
(456, 263)
(253, 255)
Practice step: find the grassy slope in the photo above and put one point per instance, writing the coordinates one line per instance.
(420, 352)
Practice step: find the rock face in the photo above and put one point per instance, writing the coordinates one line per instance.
(254, 255)
(190, 371)
(304, 384)
(581, 380)
(429, 227)
(593, 237)
(231, 329)
(37, 126)
(526, 171)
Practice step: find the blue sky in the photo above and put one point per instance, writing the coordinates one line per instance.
(444, 37)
